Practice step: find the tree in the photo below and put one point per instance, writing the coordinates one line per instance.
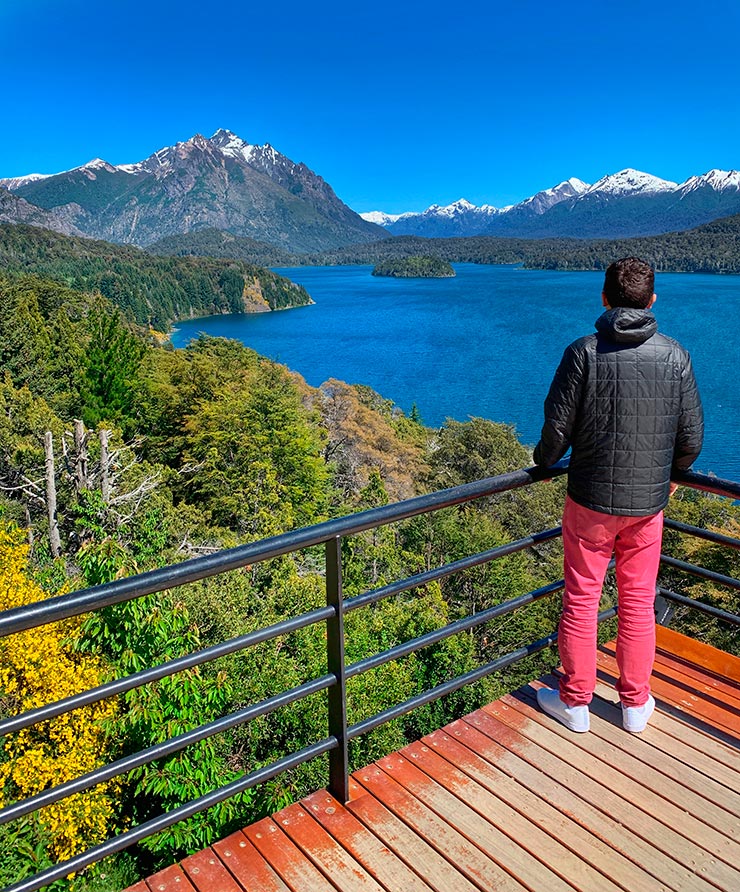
(114, 357)
(258, 459)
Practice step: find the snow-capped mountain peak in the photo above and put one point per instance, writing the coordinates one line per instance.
(719, 180)
(231, 144)
(630, 182)
(458, 208)
(95, 166)
(383, 219)
(13, 183)
(543, 201)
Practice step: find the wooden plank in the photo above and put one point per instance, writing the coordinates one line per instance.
(468, 858)
(718, 759)
(523, 827)
(658, 760)
(616, 793)
(249, 868)
(141, 886)
(502, 848)
(713, 718)
(285, 858)
(724, 665)
(571, 772)
(207, 874)
(339, 867)
(727, 691)
(467, 750)
(716, 689)
(171, 879)
(617, 770)
(618, 824)
(630, 755)
(405, 843)
(377, 859)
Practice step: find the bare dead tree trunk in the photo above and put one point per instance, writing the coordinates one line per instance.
(29, 525)
(55, 540)
(81, 457)
(104, 466)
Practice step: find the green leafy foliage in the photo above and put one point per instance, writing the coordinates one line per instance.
(111, 370)
(136, 635)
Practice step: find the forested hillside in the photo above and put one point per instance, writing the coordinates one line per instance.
(151, 290)
(712, 248)
(218, 243)
(118, 455)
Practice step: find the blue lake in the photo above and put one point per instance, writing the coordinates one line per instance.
(487, 342)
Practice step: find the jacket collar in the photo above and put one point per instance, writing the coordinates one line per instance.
(627, 325)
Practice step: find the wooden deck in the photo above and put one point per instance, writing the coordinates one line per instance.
(507, 799)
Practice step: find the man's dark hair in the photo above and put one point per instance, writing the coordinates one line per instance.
(629, 282)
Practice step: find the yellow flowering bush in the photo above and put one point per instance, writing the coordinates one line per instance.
(40, 666)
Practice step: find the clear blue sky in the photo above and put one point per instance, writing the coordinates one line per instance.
(397, 104)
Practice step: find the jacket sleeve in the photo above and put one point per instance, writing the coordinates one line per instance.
(561, 408)
(690, 433)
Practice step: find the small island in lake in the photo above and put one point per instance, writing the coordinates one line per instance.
(422, 266)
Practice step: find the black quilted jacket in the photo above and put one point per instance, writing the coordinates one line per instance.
(625, 399)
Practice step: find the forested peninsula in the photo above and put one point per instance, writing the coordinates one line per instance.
(150, 289)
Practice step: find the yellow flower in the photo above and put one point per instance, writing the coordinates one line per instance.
(39, 666)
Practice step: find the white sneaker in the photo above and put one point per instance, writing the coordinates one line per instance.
(635, 718)
(575, 718)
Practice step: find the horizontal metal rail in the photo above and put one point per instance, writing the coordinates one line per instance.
(165, 578)
(160, 750)
(702, 572)
(285, 627)
(460, 625)
(171, 667)
(708, 483)
(466, 563)
(264, 707)
(716, 612)
(454, 684)
(709, 535)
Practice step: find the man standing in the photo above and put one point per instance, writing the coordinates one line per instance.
(625, 400)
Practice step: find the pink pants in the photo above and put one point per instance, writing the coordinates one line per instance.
(589, 539)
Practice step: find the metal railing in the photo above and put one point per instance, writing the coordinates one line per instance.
(330, 535)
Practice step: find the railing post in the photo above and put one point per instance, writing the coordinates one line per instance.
(663, 610)
(339, 757)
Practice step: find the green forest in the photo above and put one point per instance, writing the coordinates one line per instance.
(711, 248)
(417, 266)
(154, 455)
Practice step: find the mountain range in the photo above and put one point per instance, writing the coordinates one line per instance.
(621, 205)
(211, 191)
(222, 182)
